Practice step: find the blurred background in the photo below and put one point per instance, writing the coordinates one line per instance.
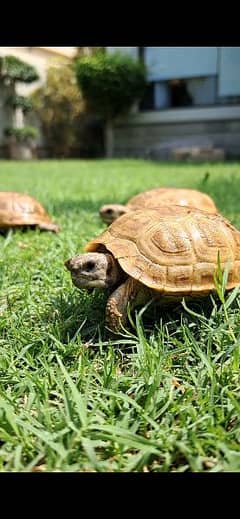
(189, 108)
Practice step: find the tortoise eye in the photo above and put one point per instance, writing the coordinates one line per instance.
(89, 266)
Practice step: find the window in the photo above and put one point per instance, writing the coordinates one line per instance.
(210, 76)
(179, 93)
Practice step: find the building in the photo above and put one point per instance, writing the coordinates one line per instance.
(192, 100)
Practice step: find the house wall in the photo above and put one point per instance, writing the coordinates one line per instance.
(180, 62)
(39, 57)
(155, 134)
(213, 76)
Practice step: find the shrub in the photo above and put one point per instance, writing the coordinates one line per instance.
(17, 101)
(62, 111)
(14, 69)
(110, 83)
(22, 134)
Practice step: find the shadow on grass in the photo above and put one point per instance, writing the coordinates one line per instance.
(78, 314)
(173, 312)
(83, 315)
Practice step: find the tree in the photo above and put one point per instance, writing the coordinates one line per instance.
(59, 106)
(13, 69)
(110, 83)
(88, 51)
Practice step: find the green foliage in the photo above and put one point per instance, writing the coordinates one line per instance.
(21, 134)
(14, 69)
(81, 51)
(110, 82)
(61, 110)
(17, 101)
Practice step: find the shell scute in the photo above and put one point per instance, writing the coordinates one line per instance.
(173, 253)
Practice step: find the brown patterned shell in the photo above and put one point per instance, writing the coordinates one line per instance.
(173, 253)
(20, 209)
(171, 195)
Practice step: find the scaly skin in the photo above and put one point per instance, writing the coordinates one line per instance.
(98, 270)
(131, 292)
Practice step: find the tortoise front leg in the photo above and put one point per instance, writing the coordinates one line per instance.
(116, 308)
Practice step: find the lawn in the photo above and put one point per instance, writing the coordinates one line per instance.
(163, 398)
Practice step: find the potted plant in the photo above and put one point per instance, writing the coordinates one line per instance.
(20, 138)
(21, 142)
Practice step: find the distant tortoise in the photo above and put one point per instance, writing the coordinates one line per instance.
(20, 210)
(158, 197)
(168, 253)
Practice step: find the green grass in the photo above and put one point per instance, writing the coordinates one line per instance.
(163, 398)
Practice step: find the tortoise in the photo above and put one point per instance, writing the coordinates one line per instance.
(158, 197)
(21, 210)
(160, 254)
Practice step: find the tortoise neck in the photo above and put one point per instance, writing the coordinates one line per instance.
(115, 274)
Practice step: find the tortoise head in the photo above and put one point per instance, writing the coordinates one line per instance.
(94, 270)
(110, 212)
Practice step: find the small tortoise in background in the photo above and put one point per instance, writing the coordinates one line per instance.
(20, 210)
(158, 197)
(168, 253)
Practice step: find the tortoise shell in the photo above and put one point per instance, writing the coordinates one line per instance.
(171, 195)
(18, 209)
(173, 252)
